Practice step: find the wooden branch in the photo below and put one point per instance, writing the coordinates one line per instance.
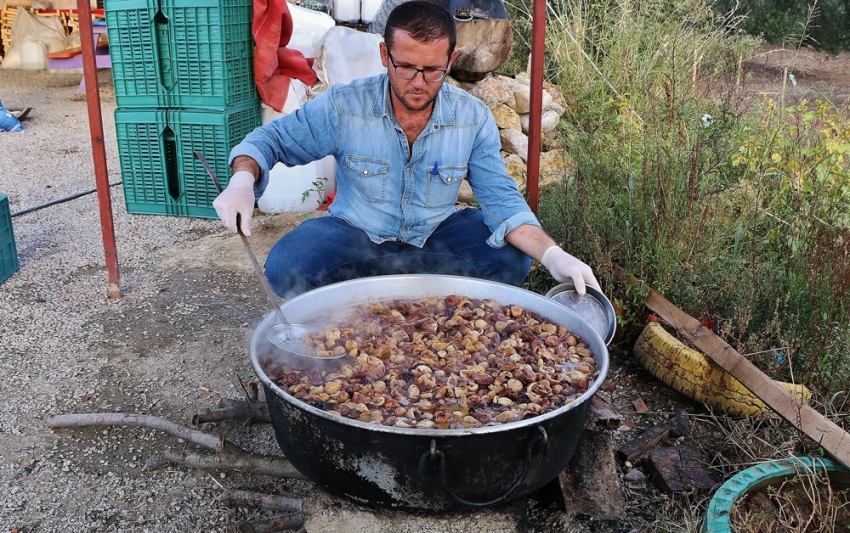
(244, 498)
(207, 440)
(229, 409)
(277, 523)
(233, 458)
(827, 434)
(230, 456)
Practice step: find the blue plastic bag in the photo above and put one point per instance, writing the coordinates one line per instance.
(8, 121)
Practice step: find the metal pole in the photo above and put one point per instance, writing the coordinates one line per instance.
(535, 101)
(101, 175)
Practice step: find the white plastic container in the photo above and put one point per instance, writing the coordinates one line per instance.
(33, 55)
(328, 170)
(368, 10)
(347, 11)
(286, 188)
(308, 27)
(287, 185)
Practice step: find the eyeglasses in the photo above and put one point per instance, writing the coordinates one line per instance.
(428, 74)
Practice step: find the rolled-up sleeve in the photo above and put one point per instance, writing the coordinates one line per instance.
(497, 238)
(497, 193)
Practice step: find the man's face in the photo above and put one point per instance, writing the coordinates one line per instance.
(416, 94)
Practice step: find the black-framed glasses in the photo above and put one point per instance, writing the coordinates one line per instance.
(428, 74)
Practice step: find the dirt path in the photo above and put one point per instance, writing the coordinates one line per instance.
(815, 74)
(176, 343)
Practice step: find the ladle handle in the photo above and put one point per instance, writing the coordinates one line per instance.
(273, 299)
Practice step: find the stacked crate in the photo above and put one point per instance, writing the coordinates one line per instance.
(8, 251)
(184, 81)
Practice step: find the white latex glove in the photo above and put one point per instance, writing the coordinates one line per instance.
(237, 200)
(565, 267)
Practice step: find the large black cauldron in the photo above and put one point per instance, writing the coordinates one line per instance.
(414, 468)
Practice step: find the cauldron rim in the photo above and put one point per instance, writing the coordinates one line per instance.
(602, 367)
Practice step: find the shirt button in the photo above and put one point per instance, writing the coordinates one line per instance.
(365, 172)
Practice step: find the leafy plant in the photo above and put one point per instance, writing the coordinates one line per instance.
(730, 206)
(318, 187)
(798, 174)
(825, 24)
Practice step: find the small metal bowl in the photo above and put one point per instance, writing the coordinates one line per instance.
(594, 307)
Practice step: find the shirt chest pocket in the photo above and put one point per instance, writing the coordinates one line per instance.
(368, 176)
(444, 185)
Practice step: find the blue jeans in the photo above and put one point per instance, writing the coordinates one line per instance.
(328, 250)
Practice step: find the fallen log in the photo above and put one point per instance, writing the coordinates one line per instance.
(229, 409)
(207, 440)
(236, 460)
(229, 456)
(244, 498)
(276, 523)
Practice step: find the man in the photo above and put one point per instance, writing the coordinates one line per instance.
(403, 142)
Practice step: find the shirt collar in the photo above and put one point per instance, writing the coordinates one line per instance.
(442, 115)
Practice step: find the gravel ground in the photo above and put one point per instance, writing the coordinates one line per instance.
(175, 343)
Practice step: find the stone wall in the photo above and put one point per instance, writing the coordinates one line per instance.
(508, 100)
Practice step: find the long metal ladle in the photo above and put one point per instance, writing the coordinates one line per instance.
(286, 336)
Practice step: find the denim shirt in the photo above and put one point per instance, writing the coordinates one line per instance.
(384, 187)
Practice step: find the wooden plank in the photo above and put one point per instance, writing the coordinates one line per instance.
(603, 416)
(675, 469)
(643, 442)
(827, 434)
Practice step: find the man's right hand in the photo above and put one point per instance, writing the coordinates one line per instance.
(237, 200)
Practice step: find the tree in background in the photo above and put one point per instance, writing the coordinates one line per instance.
(823, 24)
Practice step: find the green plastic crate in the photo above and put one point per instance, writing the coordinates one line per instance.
(156, 149)
(181, 53)
(8, 251)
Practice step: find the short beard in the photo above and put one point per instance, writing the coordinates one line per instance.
(407, 104)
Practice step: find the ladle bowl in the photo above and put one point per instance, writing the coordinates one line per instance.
(288, 337)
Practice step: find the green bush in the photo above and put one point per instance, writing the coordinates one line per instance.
(824, 24)
(732, 209)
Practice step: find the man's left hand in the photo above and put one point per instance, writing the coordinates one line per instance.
(564, 267)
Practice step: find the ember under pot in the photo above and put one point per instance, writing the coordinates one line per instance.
(424, 469)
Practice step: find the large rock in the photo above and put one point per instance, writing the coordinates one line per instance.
(506, 118)
(515, 167)
(557, 99)
(514, 142)
(522, 94)
(482, 46)
(548, 121)
(493, 93)
(555, 166)
(465, 195)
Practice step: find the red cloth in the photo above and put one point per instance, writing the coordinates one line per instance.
(327, 203)
(274, 63)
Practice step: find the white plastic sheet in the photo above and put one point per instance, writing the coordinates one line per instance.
(346, 54)
(29, 28)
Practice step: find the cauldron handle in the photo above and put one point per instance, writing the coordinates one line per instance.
(434, 454)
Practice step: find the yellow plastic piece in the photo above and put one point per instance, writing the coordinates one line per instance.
(698, 377)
